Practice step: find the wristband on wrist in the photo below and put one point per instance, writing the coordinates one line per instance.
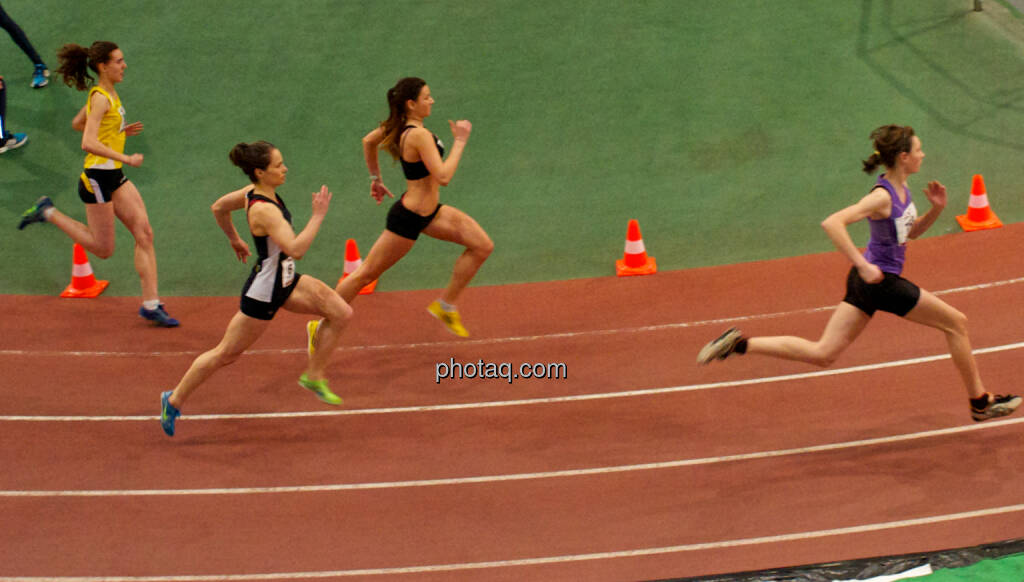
(374, 178)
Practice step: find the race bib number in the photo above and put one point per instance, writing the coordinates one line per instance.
(287, 272)
(905, 223)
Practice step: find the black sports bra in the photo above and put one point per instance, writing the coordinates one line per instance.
(417, 170)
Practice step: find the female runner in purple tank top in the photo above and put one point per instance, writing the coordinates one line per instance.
(874, 282)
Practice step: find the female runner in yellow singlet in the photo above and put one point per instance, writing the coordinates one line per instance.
(103, 187)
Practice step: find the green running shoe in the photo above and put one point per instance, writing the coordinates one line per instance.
(319, 387)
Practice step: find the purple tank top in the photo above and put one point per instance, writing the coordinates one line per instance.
(887, 245)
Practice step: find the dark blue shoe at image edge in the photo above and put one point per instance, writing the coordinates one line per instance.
(158, 316)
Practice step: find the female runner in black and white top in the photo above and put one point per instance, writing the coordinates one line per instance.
(273, 283)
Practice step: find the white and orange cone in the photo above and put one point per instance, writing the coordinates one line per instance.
(352, 262)
(83, 281)
(979, 216)
(634, 260)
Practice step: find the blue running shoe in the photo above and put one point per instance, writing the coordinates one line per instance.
(36, 213)
(168, 413)
(39, 77)
(13, 141)
(159, 316)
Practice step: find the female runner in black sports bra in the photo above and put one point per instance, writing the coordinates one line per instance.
(418, 210)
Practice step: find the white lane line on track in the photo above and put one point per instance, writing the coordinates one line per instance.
(545, 560)
(521, 402)
(486, 341)
(566, 473)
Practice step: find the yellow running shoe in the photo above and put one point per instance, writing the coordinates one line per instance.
(319, 387)
(450, 319)
(311, 329)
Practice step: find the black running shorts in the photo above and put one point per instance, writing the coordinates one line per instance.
(406, 223)
(98, 186)
(266, 310)
(893, 294)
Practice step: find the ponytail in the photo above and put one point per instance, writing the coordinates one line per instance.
(890, 141)
(76, 61)
(871, 164)
(406, 89)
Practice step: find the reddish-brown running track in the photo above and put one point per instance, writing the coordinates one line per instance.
(637, 465)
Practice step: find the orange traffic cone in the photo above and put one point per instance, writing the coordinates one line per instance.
(352, 262)
(83, 282)
(979, 216)
(635, 260)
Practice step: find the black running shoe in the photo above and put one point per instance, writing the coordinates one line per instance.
(35, 214)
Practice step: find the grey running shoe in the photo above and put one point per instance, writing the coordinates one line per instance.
(721, 347)
(1001, 405)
